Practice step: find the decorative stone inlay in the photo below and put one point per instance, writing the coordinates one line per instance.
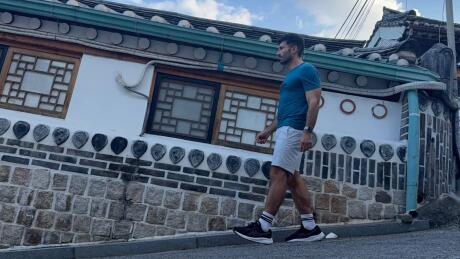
(265, 38)
(446, 114)
(60, 135)
(379, 111)
(4, 125)
(138, 148)
(233, 163)
(199, 53)
(227, 58)
(329, 141)
(185, 24)
(176, 154)
(436, 107)
(239, 34)
(34, 23)
(374, 57)
(195, 157)
(63, 28)
(333, 76)
(99, 141)
(386, 151)
(91, 33)
(79, 139)
(422, 102)
(214, 161)
(143, 43)
(314, 139)
(367, 147)
(251, 166)
(401, 152)
(158, 151)
(277, 67)
(266, 166)
(361, 81)
(20, 129)
(41, 132)
(116, 38)
(212, 29)
(6, 18)
(159, 19)
(250, 62)
(118, 144)
(348, 144)
(172, 48)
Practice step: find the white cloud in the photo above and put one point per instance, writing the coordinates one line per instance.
(299, 22)
(209, 9)
(329, 15)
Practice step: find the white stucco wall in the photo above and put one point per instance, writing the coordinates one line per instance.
(98, 103)
(360, 124)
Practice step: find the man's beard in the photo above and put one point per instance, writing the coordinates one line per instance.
(286, 61)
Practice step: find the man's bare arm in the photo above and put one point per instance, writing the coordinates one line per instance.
(313, 99)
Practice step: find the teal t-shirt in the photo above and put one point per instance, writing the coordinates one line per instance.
(293, 106)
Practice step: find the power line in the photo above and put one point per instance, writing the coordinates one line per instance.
(349, 21)
(359, 14)
(346, 19)
(363, 21)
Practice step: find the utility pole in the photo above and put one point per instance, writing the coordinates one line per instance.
(451, 43)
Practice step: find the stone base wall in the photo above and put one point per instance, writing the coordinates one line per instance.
(42, 206)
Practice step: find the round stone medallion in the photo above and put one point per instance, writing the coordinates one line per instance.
(227, 58)
(6, 18)
(333, 76)
(41, 132)
(195, 157)
(116, 38)
(172, 48)
(91, 33)
(79, 139)
(118, 144)
(60, 135)
(250, 62)
(199, 53)
(4, 125)
(176, 154)
(143, 43)
(214, 161)
(158, 151)
(20, 129)
(64, 28)
(233, 163)
(34, 23)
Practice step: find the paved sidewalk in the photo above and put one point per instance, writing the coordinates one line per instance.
(203, 240)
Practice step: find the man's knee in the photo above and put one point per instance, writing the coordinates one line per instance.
(277, 174)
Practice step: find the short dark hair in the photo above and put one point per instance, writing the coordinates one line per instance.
(294, 40)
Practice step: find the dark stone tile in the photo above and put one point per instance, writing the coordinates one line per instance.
(422, 152)
(222, 192)
(394, 176)
(225, 176)
(250, 196)
(93, 163)
(333, 166)
(209, 182)
(380, 174)
(356, 162)
(192, 187)
(325, 168)
(317, 171)
(134, 178)
(236, 186)
(48, 148)
(151, 172)
(348, 169)
(110, 158)
(19, 143)
(42, 163)
(167, 167)
(123, 168)
(61, 158)
(363, 176)
(180, 177)
(165, 183)
(371, 180)
(355, 177)
(137, 162)
(259, 190)
(309, 168)
(340, 174)
(74, 169)
(302, 164)
(36, 154)
(341, 160)
(15, 159)
(310, 154)
(104, 173)
(401, 183)
(75, 152)
(260, 182)
(7, 149)
(190, 170)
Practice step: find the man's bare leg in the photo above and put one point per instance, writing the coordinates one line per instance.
(277, 189)
(300, 194)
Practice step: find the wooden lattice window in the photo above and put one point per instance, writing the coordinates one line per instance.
(37, 82)
(183, 107)
(244, 113)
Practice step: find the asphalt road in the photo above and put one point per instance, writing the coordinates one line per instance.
(439, 243)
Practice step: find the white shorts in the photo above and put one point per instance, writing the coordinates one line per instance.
(287, 153)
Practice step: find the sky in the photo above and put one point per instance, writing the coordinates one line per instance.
(321, 18)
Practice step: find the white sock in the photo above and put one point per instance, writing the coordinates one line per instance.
(266, 220)
(308, 221)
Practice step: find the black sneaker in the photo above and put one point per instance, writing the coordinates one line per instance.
(253, 232)
(305, 235)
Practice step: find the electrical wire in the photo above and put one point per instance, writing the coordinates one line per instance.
(359, 14)
(355, 35)
(346, 19)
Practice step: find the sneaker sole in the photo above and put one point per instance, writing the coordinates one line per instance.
(260, 240)
(318, 237)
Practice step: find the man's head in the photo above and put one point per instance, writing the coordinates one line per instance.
(290, 46)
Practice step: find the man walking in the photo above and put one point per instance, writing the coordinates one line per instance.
(300, 95)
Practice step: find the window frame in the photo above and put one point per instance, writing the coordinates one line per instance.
(42, 54)
(159, 77)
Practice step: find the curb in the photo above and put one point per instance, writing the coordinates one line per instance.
(202, 241)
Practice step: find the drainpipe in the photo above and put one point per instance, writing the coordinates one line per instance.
(413, 151)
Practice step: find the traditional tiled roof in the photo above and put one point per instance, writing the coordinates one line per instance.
(237, 30)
